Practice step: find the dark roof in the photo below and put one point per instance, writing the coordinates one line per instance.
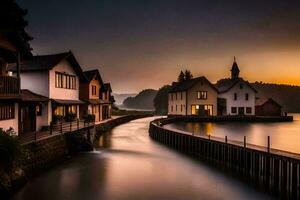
(89, 75)
(262, 101)
(185, 85)
(47, 62)
(235, 67)
(225, 85)
(27, 95)
(67, 102)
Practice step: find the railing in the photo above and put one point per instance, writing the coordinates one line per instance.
(9, 86)
(275, 171)
(55, 129)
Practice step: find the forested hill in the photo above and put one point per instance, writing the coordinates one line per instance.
(143, 100)
(286, 95)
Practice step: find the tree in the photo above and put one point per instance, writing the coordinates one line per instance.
(181, 76)
(161, 100)
(188, 75)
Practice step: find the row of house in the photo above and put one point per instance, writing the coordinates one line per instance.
(36, 91)
(230, 96)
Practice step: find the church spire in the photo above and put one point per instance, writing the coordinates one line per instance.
(235, 71)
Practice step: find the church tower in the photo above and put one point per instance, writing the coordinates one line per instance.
(235, 71)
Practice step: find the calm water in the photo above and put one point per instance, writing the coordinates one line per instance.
(284, 135)
(130, 166)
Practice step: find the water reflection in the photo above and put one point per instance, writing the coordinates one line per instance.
(129, 165)
(284, 135)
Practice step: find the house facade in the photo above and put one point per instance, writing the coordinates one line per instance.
(90, 92)
(55, 77)
(193, 97)
(236, 96)
(13, 47)
(106, 101)
(267, 107)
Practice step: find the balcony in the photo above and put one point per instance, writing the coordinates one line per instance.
(9, 87)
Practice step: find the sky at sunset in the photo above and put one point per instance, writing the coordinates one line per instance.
(144, 44)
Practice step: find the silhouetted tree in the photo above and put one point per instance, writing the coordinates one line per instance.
(161, 100)
(181, 76)
(188, 75)
(143, 100)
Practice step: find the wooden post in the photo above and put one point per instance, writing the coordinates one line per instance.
(244, 141)
(226, 139)
(61, 127)
(268, 144)
(51, 128)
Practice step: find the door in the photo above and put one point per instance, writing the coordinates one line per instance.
(28, 118)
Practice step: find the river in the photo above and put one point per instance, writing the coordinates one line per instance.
(284, 135)
(128, 165)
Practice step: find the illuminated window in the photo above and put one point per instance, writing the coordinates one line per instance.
(60, 110)
(94, 90)
(38, 109)
(201, 94)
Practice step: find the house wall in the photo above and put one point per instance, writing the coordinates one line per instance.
(37, 82)
(13, 123)
(62, 93)
(177, 102)
(43, 119)
(241, 99)
(97, 84)
(212, 96)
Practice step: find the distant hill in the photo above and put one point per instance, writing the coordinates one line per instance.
(143, 100)
(119, 98)
(286, 95)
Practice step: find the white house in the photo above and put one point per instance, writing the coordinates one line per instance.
(196, 96)
(236, 96)
(57, 78)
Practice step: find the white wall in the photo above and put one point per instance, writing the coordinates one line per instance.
(43, 119)
(37, 82)
(241, 99)
(13, 123)
(63, 93)
(177, 102)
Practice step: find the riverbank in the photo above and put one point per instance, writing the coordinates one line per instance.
(231, 118)
(41, 155)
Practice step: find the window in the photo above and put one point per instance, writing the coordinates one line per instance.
(65, 81)
(60, 110)
(233, 110)
(171, 96)
(248, 110)
(38, 109)
(247, 96)
(94, 90)
(206, 110)
(201, 95)
(235, 96)
(72, 109)
(7, 111)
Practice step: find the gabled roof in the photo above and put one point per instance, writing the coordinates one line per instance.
(262, 101)
(224, 85)
(47, 62)
(89, 75)
(107, 86)
(27, 95)
(185, 85)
